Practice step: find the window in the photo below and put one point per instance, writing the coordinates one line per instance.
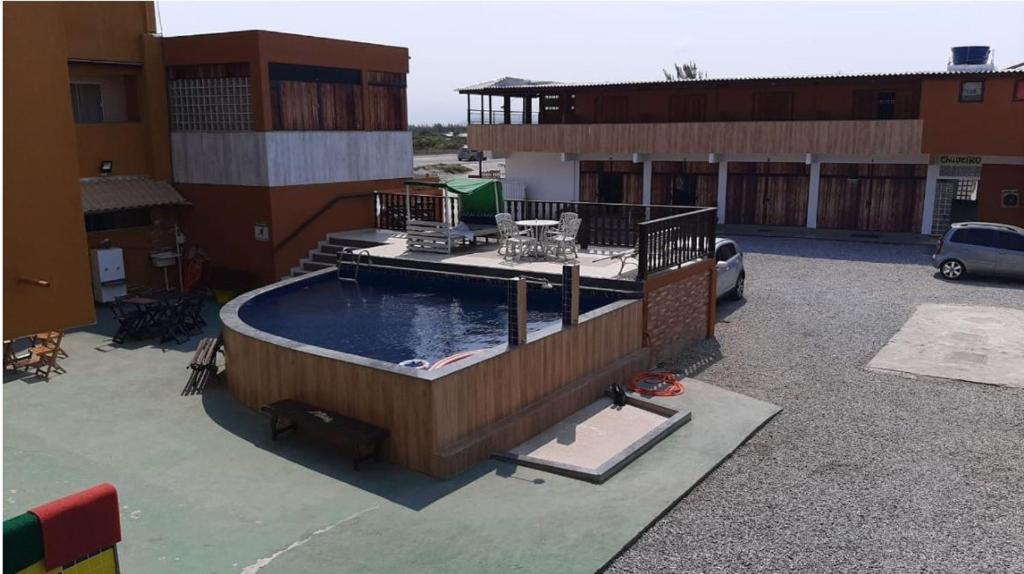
(213, 97)
(972, 91)
(687, 107)
(1011, 241)
(966, 190)
(118, 219)
(725, 252)
(86, 103)
(1018, 91)
(886, 107)
(981, 237)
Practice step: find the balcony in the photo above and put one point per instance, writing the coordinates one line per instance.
(849, 137)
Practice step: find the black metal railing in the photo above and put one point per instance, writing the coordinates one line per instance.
(676, 239)
(390, 209)
(608, 224)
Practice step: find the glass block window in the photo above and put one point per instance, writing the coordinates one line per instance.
(210, 104)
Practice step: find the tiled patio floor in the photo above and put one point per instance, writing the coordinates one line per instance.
(593, 262)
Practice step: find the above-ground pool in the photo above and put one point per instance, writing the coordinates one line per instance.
(394, 316)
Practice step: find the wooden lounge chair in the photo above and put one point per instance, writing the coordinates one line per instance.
(432, 236)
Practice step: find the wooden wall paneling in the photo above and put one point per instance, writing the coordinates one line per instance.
(425, 417)
(633, 188)
(826, 137)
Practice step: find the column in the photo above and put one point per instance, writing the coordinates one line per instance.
(647, 183)
(723, 181)
(570, 295)
(812, 195)
(930, 183)
(517, 311)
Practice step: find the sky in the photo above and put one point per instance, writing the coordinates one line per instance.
(462, 43)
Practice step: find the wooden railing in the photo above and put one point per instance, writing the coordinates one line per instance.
(670, 241)
(390, 209)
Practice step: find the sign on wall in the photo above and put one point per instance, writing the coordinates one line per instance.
(960, 160)
(261, 231)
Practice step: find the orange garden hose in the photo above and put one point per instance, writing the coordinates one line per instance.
(655, 384)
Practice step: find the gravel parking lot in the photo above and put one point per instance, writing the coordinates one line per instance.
(862, 470)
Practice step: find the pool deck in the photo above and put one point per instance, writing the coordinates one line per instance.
(203, 489)
(593, 262)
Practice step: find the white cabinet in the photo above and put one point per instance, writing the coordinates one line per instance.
(108, 278)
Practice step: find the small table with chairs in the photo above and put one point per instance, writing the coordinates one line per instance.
(538, 237)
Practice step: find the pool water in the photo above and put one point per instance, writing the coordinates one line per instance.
(393, 317)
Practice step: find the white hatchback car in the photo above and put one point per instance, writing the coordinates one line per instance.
(729, 265)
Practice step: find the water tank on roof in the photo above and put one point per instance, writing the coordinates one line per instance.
(971, 58)
(973, 55)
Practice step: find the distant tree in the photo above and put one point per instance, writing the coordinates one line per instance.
(687, 71)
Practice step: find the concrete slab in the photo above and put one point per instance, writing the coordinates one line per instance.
(961, 342)
(592, 435)
(203, 489)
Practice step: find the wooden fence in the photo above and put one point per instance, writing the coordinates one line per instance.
(670, 241)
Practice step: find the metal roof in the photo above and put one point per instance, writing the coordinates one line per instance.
(509, 83)
(114, 193)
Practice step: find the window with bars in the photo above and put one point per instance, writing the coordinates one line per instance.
(966, 190)
(210, 104)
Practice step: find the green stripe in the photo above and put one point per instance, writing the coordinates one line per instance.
(23, 542)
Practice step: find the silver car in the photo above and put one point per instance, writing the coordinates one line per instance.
(729, 265)
(982, 248)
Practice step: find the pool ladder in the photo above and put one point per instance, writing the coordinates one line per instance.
(357, 257)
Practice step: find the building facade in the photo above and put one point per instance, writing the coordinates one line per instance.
(893, 152)
(87, 155)
(250, 146)
(303, 131)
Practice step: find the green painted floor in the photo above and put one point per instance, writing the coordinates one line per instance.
(203, 489)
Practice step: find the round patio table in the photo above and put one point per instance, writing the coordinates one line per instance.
(538, 227)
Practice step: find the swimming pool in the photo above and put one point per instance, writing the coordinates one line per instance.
(394, 316)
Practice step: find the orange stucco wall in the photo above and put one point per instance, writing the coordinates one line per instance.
(44, 232)
(994, 179)
(106, 31)
(222, 218)
(994, 126)
(221, 222)
(294, 205)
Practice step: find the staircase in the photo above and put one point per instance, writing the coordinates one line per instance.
(325, 254)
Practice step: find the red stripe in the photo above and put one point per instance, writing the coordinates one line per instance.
(79, 524)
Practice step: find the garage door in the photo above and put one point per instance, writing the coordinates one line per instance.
(767, 194)
(871, 197)
(684, 183)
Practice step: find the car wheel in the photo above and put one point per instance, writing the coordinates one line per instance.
(952, 269)
(737, 291)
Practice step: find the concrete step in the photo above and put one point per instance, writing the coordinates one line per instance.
(312, 265)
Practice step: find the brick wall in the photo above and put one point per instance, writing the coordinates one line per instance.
(677, 308)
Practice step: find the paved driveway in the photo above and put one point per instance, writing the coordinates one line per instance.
(862, 470)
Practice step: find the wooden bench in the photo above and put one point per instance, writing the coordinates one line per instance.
(204, 363)
(364, 439)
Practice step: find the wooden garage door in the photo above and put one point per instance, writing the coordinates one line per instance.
(684, 183)
(871, 197)
(767, 194)
(611, 181)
